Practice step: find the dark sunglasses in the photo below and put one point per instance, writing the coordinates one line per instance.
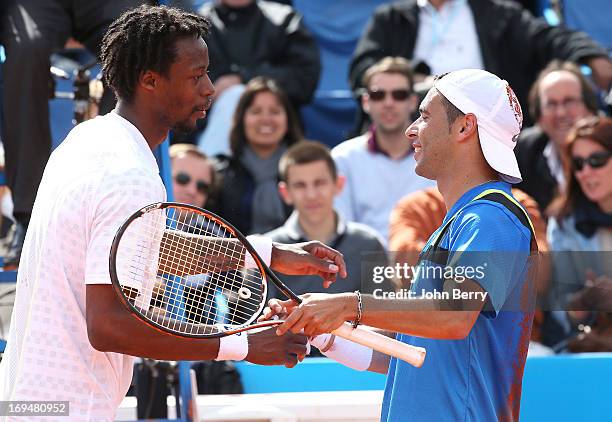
(595, 160)
(183, 179)
(396, 94)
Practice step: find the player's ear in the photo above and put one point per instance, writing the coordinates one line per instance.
(284, 193)
(148, 80)
(340, 182)
(466, 126)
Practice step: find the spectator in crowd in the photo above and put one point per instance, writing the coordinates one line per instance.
(255, 38)
(309, 183)
(30, 31)
(415, 218)
(373, 161)
(582, 223)
(500, 36)
(264, 125)
(559, 97)
(193, 175)
(259, 38)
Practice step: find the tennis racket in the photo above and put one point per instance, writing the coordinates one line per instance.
(188, 272)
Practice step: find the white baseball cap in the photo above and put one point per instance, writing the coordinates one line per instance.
(498, 115)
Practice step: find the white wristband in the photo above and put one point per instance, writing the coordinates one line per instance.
(263, 247)
(343, 351)
(322, 342)
(234, 347)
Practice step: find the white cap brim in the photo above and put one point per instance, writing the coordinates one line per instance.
(500, 157)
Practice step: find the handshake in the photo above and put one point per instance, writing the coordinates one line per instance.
(289, 343)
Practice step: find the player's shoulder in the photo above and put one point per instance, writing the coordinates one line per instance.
(486, 210)
(89, 127)
(89, 142)
(108, 121)
(488, 215)
(102, 133)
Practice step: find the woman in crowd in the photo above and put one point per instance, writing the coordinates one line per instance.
(264, 125)
(582, 224)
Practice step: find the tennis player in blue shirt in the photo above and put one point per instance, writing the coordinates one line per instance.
(476, 327)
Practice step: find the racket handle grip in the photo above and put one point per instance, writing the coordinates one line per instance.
(383, 344)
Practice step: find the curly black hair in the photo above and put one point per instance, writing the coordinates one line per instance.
(144, 39)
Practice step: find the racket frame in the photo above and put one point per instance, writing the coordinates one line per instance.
(264, 270)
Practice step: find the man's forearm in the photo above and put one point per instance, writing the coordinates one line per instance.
(417, 317)
(124, 333)
(112, 328)
(444, 318)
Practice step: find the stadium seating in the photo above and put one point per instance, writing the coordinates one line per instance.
(592, 17)
(337, 27)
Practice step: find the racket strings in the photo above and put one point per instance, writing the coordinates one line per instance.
(225, 280)
(181, 304)
(195, 307)
(251, 280)
(191, 272)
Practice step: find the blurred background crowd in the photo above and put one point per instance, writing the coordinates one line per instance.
(305, 139)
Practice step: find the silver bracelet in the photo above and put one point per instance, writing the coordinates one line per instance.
(359, 309)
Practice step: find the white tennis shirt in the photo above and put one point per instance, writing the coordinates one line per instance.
(101, 173)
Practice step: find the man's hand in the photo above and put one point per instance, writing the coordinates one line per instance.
(602, 72)
(277, 309)
(224, 82)
(308, 258)
(317, 314)
(267, 348)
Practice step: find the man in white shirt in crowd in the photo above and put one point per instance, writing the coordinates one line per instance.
(71, 339)
(379, 165)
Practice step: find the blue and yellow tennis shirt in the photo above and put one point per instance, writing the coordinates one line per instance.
(477, 378)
